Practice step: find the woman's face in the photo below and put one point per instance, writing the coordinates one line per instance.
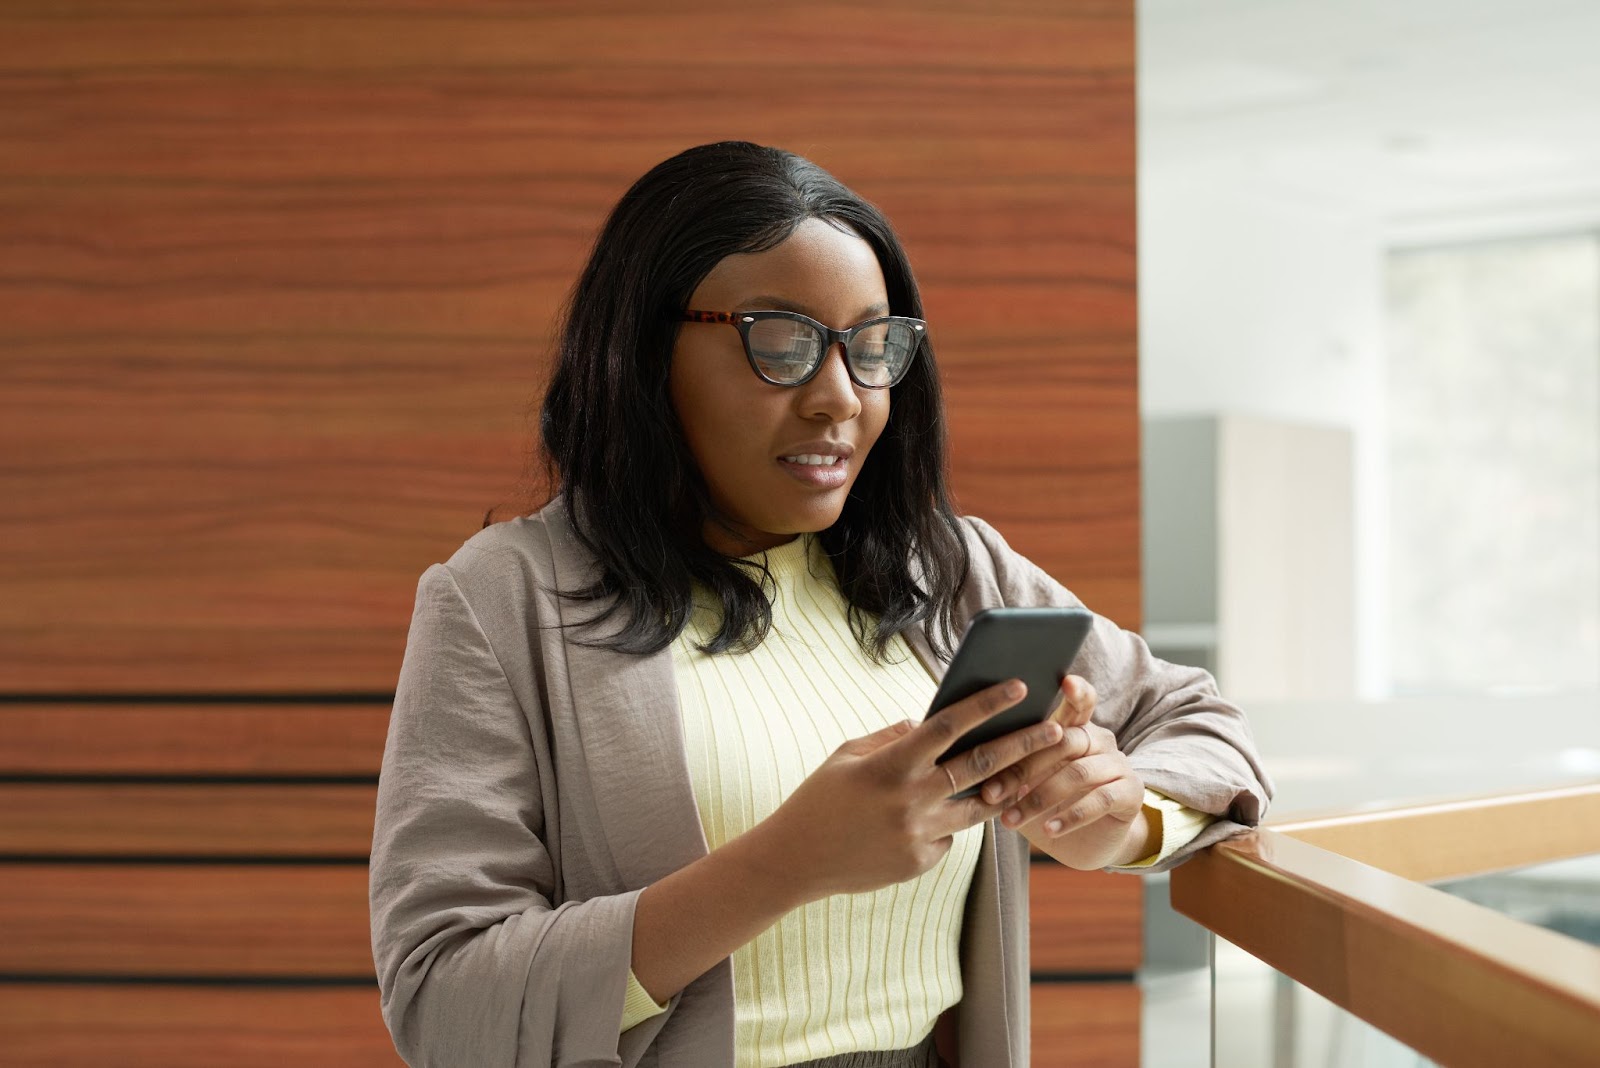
(739, 427)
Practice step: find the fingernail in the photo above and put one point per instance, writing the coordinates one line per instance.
(1013, 815)
(1014, 688)
(1052, 733)
(1053, 826)
(991, 793)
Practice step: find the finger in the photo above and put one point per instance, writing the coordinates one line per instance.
(1064, 785)
(1080, 700)
(1061, 785)
(936, 733)
(961, 813)
(1110, 800)
(984, 762)
(1024, 776)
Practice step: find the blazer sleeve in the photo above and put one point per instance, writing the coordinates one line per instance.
(475, 965)
(1181, 736)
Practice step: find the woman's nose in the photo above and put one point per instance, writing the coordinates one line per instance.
(831, 392)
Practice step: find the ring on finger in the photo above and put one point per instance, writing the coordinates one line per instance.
(954, 789)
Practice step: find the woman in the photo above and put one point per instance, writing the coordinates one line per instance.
(657, 788)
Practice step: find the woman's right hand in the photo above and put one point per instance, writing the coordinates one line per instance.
(879, 810)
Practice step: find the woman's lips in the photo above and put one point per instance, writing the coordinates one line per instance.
(818, 476)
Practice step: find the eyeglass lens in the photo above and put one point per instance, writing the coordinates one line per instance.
(786, 350)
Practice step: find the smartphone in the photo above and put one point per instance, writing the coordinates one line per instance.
(1036, 645)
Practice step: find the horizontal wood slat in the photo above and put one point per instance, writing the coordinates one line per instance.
(89, 1025)
(411, 232)
(191, 920)
(1084, 921)
(523, 127)
(200, 739)
(575, 40)
(197, 919)
(1085, 1025)
(94, 1025)
(1087, 922)
(491, 9)
(189, 820)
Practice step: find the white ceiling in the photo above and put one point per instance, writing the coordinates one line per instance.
(1431, 117)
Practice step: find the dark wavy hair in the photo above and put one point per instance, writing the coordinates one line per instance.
(613, 445)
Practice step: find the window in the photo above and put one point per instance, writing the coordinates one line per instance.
(1494, 466)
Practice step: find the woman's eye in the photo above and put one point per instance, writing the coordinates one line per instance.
(781, 359)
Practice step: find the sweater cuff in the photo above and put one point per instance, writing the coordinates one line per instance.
(1178, 825)
(637, 1004)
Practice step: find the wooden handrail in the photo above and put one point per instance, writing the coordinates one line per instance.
(1460, 983)
(1468, 836)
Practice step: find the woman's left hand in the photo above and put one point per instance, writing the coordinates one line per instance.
(1078, 800)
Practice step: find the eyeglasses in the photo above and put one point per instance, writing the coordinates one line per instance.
(787, 348)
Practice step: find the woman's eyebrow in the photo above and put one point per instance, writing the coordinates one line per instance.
(764, 302)
(767, 302)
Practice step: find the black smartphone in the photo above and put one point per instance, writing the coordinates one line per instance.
(1036, 645)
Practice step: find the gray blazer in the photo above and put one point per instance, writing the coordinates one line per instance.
(531, 788)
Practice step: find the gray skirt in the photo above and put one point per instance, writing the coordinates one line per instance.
(922, 1055)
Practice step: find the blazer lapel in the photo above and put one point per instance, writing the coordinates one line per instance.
(625, 712)
(628, 722)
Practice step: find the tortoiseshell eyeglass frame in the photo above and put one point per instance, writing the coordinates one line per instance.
(743, 321)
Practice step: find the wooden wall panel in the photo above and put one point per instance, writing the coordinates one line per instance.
(157, 738)
(1085, 1025)
(1081, 922)
(277, 283)
(279, 288)
(1085, 922)
(173, 1025)
(225, 921)
(185, 819)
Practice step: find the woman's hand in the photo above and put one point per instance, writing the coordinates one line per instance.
(1078, 800)
(879, 810)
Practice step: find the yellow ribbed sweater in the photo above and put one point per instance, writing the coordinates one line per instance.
(852, 971)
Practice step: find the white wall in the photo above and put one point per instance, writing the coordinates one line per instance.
(1252, 302)
(1257, 301)
(1285, 575)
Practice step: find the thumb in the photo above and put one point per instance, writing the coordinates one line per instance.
(1075, 702)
